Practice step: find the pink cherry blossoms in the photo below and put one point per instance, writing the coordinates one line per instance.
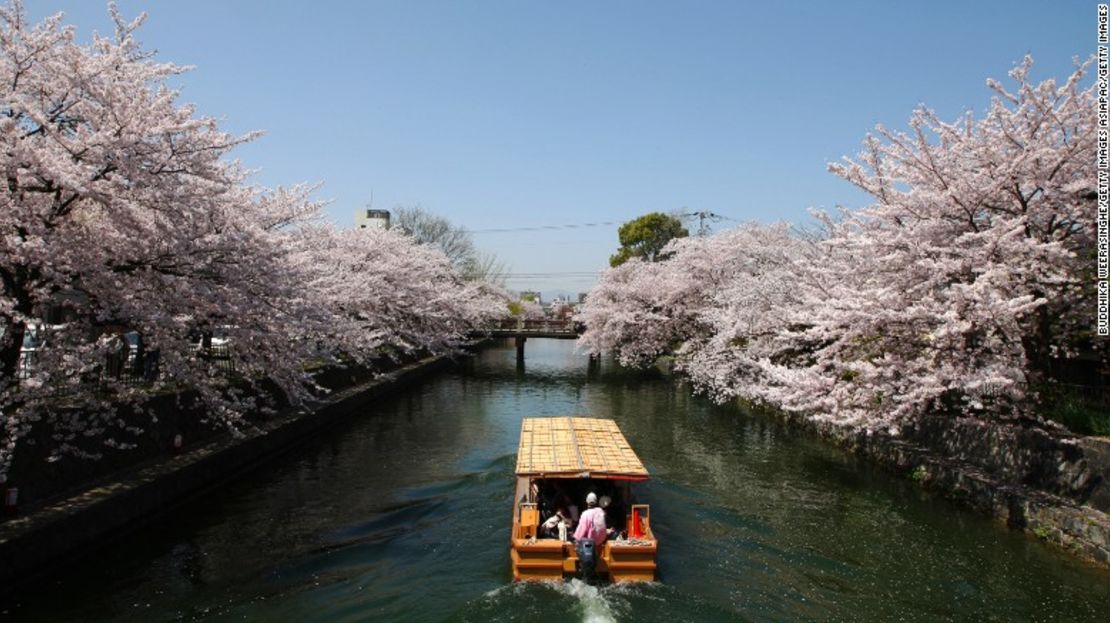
(121, 212)
(952, 293)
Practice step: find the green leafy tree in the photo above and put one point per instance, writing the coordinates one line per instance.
(646, 236)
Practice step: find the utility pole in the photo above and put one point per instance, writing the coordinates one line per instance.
(704, 215)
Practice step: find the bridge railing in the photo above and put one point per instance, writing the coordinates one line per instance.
(519, 325)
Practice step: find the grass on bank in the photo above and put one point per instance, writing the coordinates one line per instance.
(1077, 409)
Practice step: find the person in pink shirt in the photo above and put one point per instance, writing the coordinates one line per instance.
(591, 525)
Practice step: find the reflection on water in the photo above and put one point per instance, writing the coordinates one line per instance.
(402, 515)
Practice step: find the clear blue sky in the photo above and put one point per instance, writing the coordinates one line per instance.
(516, 114)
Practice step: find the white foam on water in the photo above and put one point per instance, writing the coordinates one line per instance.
(592, 601)
(512, 588)
(594, 604)
(652, 591)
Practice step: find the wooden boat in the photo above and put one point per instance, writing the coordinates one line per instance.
(559, 462)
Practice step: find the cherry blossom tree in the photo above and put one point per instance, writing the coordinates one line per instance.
(951, 294)
(1016, 187)
(966, 275)
(641, 310)
(622, 314)
(382, 292)
(531, 310)
(121, 211)
(753, 299)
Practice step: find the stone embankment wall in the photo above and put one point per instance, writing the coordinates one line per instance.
(44, 536)
(1052, 484)
(163, 418)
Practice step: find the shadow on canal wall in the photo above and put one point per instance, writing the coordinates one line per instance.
(1056, 486)
(179, 416)
(68, 525)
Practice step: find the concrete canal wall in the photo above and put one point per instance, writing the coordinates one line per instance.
(50, 534)
(1054, 485)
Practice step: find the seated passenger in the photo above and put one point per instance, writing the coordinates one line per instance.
(557, 525)
(571, 508)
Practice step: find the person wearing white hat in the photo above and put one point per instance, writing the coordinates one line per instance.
(591, 525)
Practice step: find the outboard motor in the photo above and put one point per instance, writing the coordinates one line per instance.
(587, 558)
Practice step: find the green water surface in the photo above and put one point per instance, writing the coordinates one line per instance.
(402, 514)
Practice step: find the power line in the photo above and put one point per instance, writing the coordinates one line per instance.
(565, 273)
(501, 230)
(549, 276)
(702, 217)
(582, 279)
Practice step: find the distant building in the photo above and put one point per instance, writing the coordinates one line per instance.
(372, 219)
(561, 309)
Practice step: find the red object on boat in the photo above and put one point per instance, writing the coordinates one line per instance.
(636, 531)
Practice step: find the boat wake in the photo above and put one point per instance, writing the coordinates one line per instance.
(572, 600)
(595, 607)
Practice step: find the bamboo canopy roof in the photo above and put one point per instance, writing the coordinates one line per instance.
(576, 447)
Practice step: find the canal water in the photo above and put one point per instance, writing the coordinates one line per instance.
(403, 515)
